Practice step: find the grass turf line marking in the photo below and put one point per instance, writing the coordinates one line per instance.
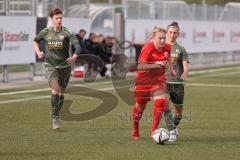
(213, 70)
(213, 85)
(107, 82)
(48, 89)
(112, 88)
(23, 99)
(215, 75)
(45, 97)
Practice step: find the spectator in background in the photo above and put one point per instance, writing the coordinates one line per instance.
(90, 48)
(90, 44)
(103, 53)
(80, 36)
(118, 57)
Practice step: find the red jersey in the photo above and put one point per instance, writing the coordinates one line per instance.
(149, 54)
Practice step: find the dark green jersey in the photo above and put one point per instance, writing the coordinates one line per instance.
(57, 46)
(178, 55)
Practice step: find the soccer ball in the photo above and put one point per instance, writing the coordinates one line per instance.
(160, 136)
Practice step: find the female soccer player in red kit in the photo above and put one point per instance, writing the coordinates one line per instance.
(151, 79)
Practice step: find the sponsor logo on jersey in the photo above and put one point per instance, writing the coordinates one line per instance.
(166, 54)
(61, 37)
(174, 56)
(55, 45)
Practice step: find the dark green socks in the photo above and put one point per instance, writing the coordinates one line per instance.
(56, 103)
(169, 119)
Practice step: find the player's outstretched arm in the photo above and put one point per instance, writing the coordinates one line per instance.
(36, 48)
(77, 47)
(147, 66)
(173, 72)
(185, 71)
(72, 59)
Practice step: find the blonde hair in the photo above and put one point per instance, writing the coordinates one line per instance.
(156, 30)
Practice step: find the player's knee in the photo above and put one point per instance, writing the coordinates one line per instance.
(141, 106)
(159, 95)
(160, 103)
(61, 93)
(179, 115)
(177, 119)
(178, 109)
(55, 92)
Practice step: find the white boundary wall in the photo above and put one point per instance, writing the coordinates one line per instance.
(16, 37)
(195, 36)
(75, 24)
(209, 44)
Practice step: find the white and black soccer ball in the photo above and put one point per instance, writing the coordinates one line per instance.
(160, 136)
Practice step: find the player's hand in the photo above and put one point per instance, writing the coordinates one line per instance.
(184, 76)
(161, 63)
(40, 55)
(71, 60)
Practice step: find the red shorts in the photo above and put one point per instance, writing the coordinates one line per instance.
(143, 93)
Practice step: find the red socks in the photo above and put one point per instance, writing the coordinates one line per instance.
(159, 107)
(137, 114)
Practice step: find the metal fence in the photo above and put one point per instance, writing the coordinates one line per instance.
(133, 9)
(40, 8)
(179, 10)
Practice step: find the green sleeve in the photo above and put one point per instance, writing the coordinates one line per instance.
(73, 40)
(41, 35)
(75, 43)
(184, 55)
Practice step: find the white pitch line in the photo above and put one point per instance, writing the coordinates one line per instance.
(108, 82)
(47, 89)
(216, 75)
(112, 88)
(44, 97)
(213, 85)
(39, 90)
(213, 70)
(25, 91)
(23, 99)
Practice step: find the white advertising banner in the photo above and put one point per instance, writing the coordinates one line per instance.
(195, 36)
(16, 37)
(74, 24)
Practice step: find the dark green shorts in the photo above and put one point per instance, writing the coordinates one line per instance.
(176, 92)
(60, 74)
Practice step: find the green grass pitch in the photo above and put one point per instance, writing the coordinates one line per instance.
(209, 130)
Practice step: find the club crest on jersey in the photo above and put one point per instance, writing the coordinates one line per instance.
(61, 37)
(166, 54)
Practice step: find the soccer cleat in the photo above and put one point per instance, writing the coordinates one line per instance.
(173, 135)
(135, 134)
(56, 123)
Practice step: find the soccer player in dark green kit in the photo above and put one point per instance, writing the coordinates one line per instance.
(175, 85)
(57, 59)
